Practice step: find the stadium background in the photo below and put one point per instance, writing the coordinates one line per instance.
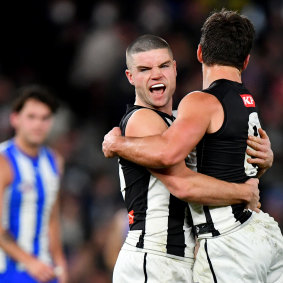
(76, 49)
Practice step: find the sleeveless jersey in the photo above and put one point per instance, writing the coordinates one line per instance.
(159, 222)
(223, 155)
(28, 201)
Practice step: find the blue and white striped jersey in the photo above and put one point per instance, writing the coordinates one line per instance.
(28, 201)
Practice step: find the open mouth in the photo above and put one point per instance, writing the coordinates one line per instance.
(158, 89)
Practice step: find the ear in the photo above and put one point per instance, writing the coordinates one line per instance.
(246, 62)
(199, 54)
(129, 76)
(175, 67)
(14, 120)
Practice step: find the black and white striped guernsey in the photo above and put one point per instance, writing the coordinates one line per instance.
(159, 222)
(223, 155)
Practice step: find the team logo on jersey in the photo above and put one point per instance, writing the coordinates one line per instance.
(26, 187)
(131, 217)
(248, 100)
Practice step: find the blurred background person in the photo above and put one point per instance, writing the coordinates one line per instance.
(31, 249)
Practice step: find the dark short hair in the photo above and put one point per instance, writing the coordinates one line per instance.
(35, 92)
(146, 42)
(226, 39)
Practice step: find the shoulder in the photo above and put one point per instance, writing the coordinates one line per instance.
(145, 122)
(198, 101)
(200, 96)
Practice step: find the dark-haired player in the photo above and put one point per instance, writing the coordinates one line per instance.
(159, 246)
(30, 245)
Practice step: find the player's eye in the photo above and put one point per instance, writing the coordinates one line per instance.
(143, 69)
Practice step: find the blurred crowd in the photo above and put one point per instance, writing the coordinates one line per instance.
(77, 50)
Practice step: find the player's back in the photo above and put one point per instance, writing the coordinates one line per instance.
(158, 221)
(223, 155)
(28, 201)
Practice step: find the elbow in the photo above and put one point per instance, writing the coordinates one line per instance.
(179, 191)
(168, 159)
(186, 193)
(180, 194)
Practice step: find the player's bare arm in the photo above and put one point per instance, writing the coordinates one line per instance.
(56, 248)
(36, 268)
(171, 147)
(193, 187)
(136, 149)
(261, 152)
(56, 245)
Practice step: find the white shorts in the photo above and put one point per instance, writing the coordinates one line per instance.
(253, 254)
(143, 267)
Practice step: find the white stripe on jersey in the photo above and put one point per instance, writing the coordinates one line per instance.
(189, 239)
(28, 209)
(122, 180)
(156, 215)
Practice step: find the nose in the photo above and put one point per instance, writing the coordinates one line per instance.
(156, 73)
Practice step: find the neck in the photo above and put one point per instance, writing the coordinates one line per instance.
(29, 149)
(217, 72)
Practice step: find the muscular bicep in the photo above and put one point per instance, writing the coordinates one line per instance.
(195, 113)
(145, 122)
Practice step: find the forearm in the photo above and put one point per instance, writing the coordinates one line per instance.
(56, 248)
(11, 248)
(198, 188)
(55, 243)
(147, 151)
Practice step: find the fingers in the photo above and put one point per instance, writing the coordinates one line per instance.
(258, 144)
(256, 153)
(106, 151)
(253, 208)
(262, 138)
(40, 271)
(256, 161)
(109, 139)
(115, 131)
(257, 210)
(261, 157)
(263, 134)
(253, 181)
(45, 274)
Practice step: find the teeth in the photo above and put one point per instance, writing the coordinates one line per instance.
(158, 85)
